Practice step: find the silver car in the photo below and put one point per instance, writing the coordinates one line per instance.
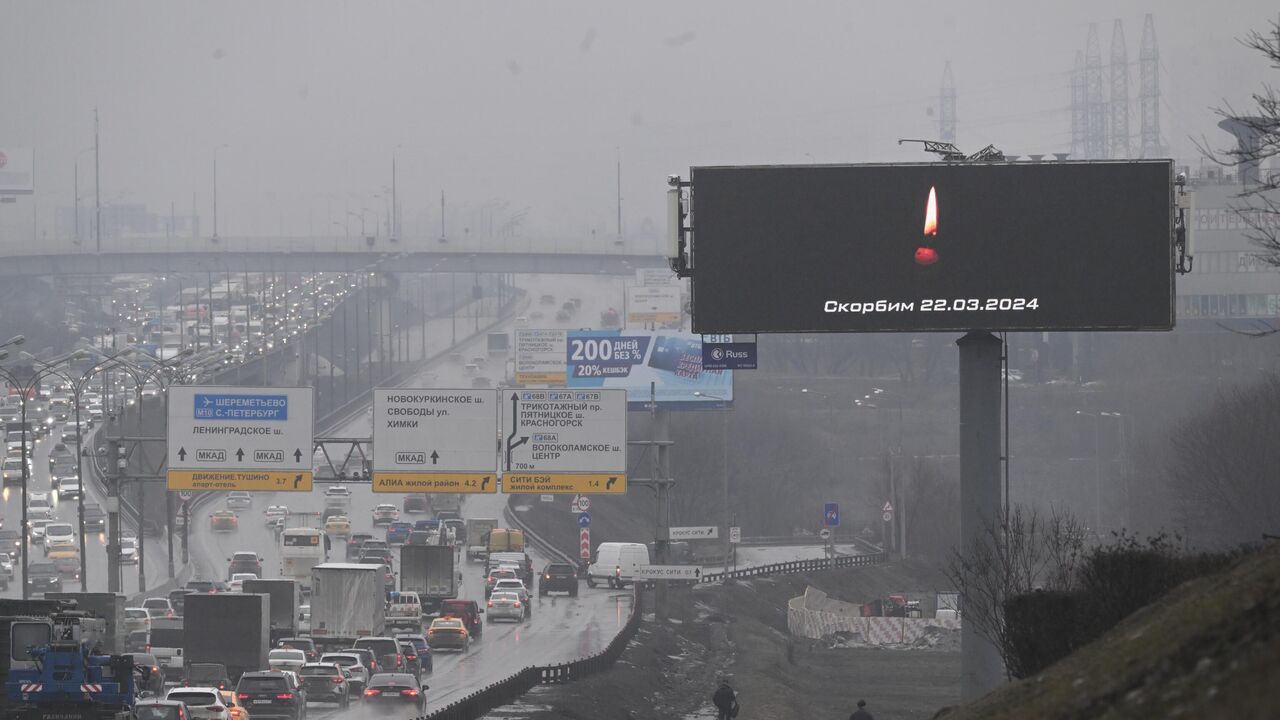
(506, 606)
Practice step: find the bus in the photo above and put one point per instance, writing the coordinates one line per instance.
(300, 550)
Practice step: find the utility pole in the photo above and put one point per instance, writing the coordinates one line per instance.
(618, 155)
(114, 479)
(395, 212)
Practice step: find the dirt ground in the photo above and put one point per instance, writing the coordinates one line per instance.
(670, 670)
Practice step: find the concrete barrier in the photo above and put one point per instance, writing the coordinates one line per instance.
(815, 615)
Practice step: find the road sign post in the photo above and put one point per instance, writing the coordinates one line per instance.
(735, 535)
(240, 438)
(565, 441)
(668, 572)
(584, 543)
(431, 440)
(831, 515)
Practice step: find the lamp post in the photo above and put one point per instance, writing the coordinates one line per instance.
(215, 190)
(724, 476)
(76, 193)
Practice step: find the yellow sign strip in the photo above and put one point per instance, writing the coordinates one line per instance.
(551, 483)
(542, 378)
(259, 480)
(410, 482)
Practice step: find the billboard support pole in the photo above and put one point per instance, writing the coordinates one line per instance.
(981, 668)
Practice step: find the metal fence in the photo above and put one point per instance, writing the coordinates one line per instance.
(509, 690)
(798, 566)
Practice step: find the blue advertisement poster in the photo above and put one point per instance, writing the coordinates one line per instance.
(633, 359)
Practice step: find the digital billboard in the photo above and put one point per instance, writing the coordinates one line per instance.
(918, 247)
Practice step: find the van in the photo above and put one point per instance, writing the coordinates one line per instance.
(615, 563)
(505, 540)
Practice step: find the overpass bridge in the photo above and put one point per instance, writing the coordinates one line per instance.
(322, 254)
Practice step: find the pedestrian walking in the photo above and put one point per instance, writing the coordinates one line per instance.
(726, 701)
(861, 713)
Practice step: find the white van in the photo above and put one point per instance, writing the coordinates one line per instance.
(615, 563)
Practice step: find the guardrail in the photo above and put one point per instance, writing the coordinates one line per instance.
(797, 566)
(510, 689)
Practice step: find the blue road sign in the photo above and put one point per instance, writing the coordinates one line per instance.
(831, 515)
(209, 406)
(584, 520)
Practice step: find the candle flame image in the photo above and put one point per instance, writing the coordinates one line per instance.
(926, 255)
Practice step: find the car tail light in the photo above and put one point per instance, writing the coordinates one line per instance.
(409, 693)
(399, 659)
(147, 648)
(242, 696)
(517, 604)
(617, 571)
(337, 681)
(372, 692)
(284, 696)
(490, 603)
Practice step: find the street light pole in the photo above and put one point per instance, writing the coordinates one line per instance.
(97, 223)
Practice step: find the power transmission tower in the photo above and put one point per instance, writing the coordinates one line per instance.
(1149, 82)
(1079, 108)
(1119, 93)
(947, 107)
(1095, 140)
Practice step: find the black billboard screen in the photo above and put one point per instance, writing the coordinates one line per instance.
(876, 248)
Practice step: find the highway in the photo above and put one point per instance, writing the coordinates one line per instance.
(561, 628)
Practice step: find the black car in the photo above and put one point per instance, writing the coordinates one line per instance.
(415, 504)
(43, 577)
(94, 518)
(178, 599)
(558, 577)
(206, 586)
(366, 658)
(390, 690)
(412, 662)
(271, 694)
(354, 543)
(147, 670)
(326, 682)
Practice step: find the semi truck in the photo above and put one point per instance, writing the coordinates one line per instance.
(107, 606)
(348, 601)
(429, 571)
(286, 598)
(228, 628)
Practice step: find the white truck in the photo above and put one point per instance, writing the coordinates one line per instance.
(348, 601)
(478, 537)
(428, 571)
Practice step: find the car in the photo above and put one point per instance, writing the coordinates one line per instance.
(149, 668)
(178, 599)
(139, 641)
(563, 315)
(286, 659)
(448, 632)
(39, 507)
(206, 586)
(392, 690)
(306, 645)
(548, 299)
(370, 556)
(244, 561)
(70, 436)
(338, 526)
(206, 675)
(412, 662)
(326, 682)
(233, 706)
(367, 658)
(271, 695)
(354, 543)
(223, 521)
(37, 529)
(357, 673)
(558, 577)
(128, 550)
(69, 490)
(421, 537)
(386, 650)
(67, 563)
(419, 643)
(500, 573)
(337, 491)
(398, 532)
(6, 563)
(136, 618)
(94, 518)
(481, 382)
(237, 581)
(275, 515)
(161, 605)
(239, 499)
(504, 605)
(384, 514)
(59, 535)
(203, 703)
(415, 503)
(44, 577)
(517, 587)
(156, 709)
(468, 611)
(11, 540)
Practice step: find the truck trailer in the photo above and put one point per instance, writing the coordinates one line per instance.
(228, 628)
(429, 571)
(348, 602)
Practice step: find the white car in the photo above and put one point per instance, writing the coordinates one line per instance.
(56, 534)
(203, 703)
(239, 499)
(160, 604)
(6, 564)
(237, 581)
(275, 514)
(37, 528)
(350, 662)
(514, 586)
(506, 605)
(128, 551)
(341, 491)
(286, 659)
(69, 490)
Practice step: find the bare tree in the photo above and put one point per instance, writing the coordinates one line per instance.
(1025, 552)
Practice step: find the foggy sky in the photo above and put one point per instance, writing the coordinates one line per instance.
(527, 101)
